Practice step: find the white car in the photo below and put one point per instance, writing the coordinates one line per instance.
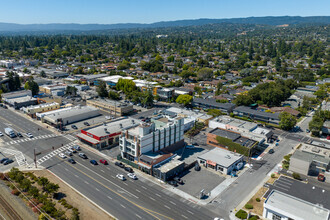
(132, 176)
(61, 155)
(121, 177)
(1, 134)
(29, 135)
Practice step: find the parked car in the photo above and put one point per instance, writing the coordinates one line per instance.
(8, 162)
(128, 169)
(19, 134)
(61, 155)
(4, 159)
(132, 176)
(82, 155)
(94, 162)
(173, 183)
(104, 162)
(178, 180)
(5, 107)
(70, 160)
(271, 151)
(195, 144)
(120, 164)
(74, 127)
(86, 123)
(121, 177)
(307, 130)
(77, 147)
(1, 134)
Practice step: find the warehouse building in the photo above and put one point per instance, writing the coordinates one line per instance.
(70, 115)
(19, 99)
(45, 107)
(221, 160)
(111, 107)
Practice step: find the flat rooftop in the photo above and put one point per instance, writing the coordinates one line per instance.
(235, 137)
(21, 99)
(113, 127)
(220, 156)
(295, 208)
(170, 165)
(305, 191)
(110, 102)
(71, 112)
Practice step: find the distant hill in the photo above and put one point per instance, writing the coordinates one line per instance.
(290, 20)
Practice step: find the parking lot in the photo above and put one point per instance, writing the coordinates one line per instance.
(91, 121)
(195, 181)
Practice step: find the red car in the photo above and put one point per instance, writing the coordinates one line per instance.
(104, 162)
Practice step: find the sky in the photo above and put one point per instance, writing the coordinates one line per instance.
(149, 11)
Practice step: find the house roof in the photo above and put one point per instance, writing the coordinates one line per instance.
(251, 111)
(214, 103)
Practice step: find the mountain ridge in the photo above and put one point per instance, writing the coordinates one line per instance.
(268, 20)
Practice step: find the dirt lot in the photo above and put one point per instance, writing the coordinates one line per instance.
(258, 206)
(87, 209)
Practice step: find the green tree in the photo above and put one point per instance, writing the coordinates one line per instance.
(278, 63)
(1, 95)
(205, 74)
(33, 86)
(321, 93)
(43, 181)
(214, 112)
(184, 99)
(148, 99)
(126, 85)
(102, 89)
(287, 121)
(71, 90)
(42, 73)
(114, 95)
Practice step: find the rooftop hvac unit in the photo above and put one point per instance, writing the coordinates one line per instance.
(121, 125)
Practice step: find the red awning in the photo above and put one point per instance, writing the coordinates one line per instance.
(211, 162)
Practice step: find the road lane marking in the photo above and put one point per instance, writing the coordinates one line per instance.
(172, 203)
(143, 187)
(149, 211)
(138, 216)
(158, 195)
(109, 197)
(76, 176)
(125, 184)
(123, 206)
(190, 212)
(86, 182)
(184, 216)
(102, 171)
(97, 189)
(138, 190)
(152, 198)
(167, 207)
(66, 169)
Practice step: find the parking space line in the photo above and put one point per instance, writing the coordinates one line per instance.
(158, 195)
(172, 203)
(138, 190)
(152, 198)
(109, 197)
(97, 189)
(138, 216)
(86, 182)
(190, 212)
(123, 206)
(184, 216)
(143, 187)
(167, 207)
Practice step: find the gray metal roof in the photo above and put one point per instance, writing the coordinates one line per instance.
(212, 102)
(220, 156)
(254, 112)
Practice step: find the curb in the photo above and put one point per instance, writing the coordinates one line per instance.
(82, 195)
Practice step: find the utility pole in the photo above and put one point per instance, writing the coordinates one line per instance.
(35, 157)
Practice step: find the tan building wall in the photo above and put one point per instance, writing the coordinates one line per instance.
(39, 109)
(110, 107)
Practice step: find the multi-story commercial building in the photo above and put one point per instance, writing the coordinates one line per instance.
(310, 160)
(111, 107)
(160, 134)
(51, 88)
(165, 94)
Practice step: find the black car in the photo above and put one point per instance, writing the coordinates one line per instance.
(271, 151)
(3, 160)
(94, 162)
(5, 107)
(8, 161)
(197, 167)
(128, 169)
(120, 164)
(74, 127)
(173, 183)
(71, 161)
(19, 134)
(195, 144)
(86, 123)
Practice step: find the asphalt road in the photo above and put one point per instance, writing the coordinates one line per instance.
(125, 200)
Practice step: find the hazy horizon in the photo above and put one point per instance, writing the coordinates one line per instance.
(147, 11)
